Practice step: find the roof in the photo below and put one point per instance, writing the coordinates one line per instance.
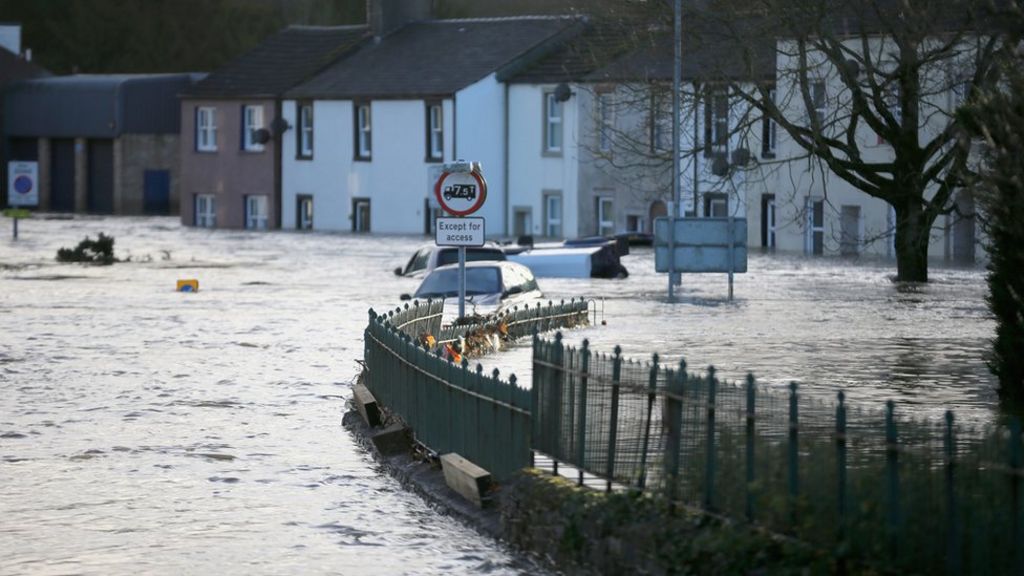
(709, 53)
(600, 43)
(14, 67)
(438, 57)
(96, 106)
(280, 62)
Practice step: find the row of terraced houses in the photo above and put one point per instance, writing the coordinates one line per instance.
(346, 129)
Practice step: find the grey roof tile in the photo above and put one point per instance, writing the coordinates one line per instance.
(280, 62)
(435, 57)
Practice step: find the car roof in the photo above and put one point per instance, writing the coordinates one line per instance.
(488, 264)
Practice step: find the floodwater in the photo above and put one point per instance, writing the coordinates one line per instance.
(145, 430)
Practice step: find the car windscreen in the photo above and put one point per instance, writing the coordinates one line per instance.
(472, 255)
(445, 283)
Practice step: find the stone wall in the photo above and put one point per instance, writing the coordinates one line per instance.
(133, 155)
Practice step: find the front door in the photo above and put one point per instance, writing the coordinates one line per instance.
(360, 214)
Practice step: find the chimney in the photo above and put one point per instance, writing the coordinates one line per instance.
(386, 16)
(10, 37)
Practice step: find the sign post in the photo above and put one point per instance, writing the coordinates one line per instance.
(22, 190)
(461, 190)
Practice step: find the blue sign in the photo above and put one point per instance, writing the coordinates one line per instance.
(700, 245)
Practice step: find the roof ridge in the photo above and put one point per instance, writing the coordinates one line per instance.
(504, 18)
(322, 27)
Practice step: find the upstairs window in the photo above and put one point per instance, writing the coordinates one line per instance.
(435, 133)
(605, 121)
(363, 132)
(206, 129)
(819, 101)
(552, 124)
(716, 123)
(305, 132)
(769, 132)
(252, 121)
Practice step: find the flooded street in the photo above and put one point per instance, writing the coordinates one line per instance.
(148, 431)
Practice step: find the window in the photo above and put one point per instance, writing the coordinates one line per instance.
(661, 125)
(814, 241)
(205, 211)
(849, 230)
(768, 221)
(605, 121)
(206, 129)
(716, 205)
(768, 132)
(256, 212)
(360, 214)
(304, 146)
(553, 215)
(605, 216)
(552, 124)
(304, 212)
(634, 223)
(435, 133)
(818, 99)
(362, 125)
(716, 123)
(252, 121)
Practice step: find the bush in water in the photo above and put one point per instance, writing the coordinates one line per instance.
(99, 251)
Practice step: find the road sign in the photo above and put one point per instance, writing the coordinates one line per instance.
(22, 187)
(460, 232)
(461, 189)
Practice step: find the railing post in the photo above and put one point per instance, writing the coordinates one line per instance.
(751, 400)
(793, 465)
(554, 410)
(841, 472)
(953, 566)
(674, 426)
(892, 480)
(709, 470)
(613, 417)
(652, 386)
(581, 428)
(535, 393)
(1015, 471)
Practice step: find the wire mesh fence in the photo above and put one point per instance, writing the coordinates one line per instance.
(867, 486)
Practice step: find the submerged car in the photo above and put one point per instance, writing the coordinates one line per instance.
(490, 286)
(430, 256)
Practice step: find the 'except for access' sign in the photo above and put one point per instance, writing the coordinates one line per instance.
(460, 231)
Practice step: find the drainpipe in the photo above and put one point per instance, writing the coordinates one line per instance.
(505, 175)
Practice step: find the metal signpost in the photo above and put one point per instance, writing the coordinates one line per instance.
(460, 190)
(22, 190)
(701, 245)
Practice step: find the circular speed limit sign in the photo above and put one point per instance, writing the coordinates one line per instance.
(461, 193)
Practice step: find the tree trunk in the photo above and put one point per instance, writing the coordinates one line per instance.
(912, 233)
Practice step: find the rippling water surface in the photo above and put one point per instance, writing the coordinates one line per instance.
(144, 430)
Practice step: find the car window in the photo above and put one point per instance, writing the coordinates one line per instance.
(451, 255)
(418, 261)
(445, 283)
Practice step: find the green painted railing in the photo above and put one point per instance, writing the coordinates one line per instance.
(900, 494)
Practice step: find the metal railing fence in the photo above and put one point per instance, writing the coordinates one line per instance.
(900, 493)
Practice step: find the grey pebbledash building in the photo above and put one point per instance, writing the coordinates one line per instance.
(105, 144)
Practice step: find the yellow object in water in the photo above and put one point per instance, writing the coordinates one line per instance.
(190, 285)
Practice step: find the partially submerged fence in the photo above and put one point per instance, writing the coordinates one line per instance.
(910, 495)
(449, 406)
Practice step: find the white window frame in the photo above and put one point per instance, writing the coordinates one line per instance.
(257, 212)
(552, 223)
(769, 133)
(364, 131)
(205, 211)
(306, 130)
(605, 121)
(252, 120)
(206, 129)
(603, 223)
(819, 99)
(553, 133)
(435, 132)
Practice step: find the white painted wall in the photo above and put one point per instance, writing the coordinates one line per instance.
(326, 176)
(479, 137)
(531, 173)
